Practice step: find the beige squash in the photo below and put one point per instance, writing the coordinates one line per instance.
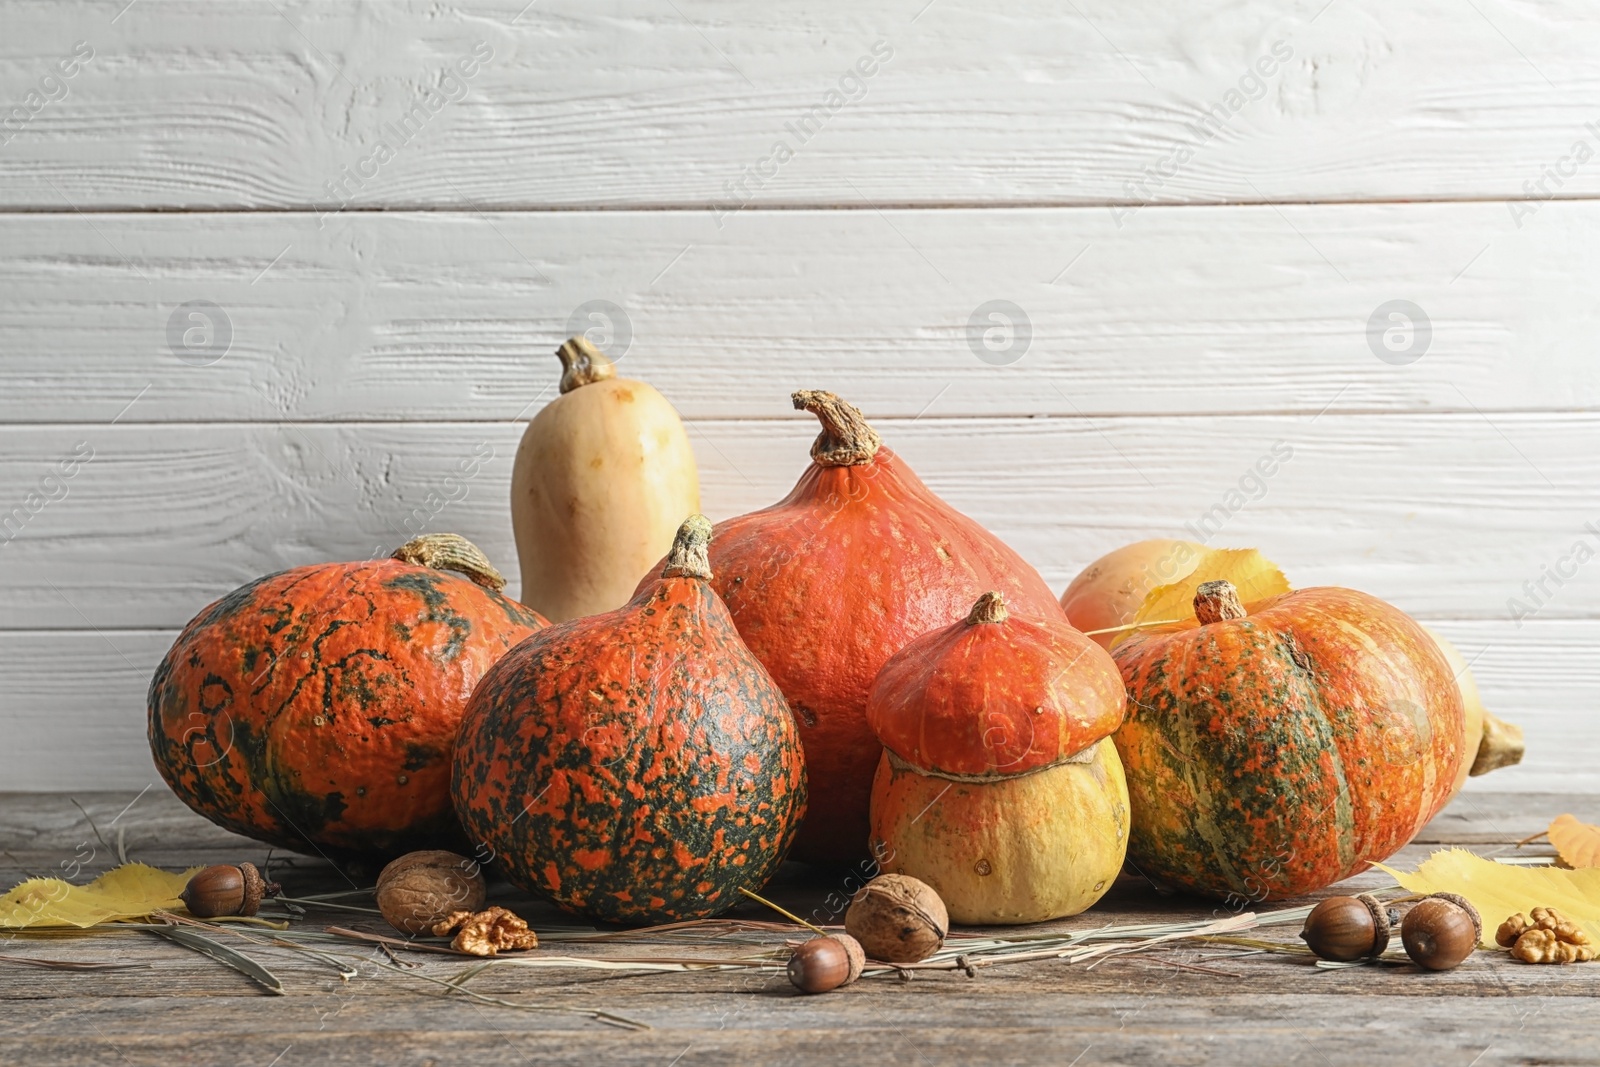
(603, 478)
(1022, 849)
(1494, 742)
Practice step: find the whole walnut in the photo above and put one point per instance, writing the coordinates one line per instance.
(421, 888)
(898, 919)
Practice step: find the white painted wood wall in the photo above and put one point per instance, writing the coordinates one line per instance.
(1193, 294)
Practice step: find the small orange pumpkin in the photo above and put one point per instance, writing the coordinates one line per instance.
(1274, 751)
(317, 708)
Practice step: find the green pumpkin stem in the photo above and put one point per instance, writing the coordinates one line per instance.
(991, 607)
(451, 552)
(846, 439)
(688, 558)
(582, 364)
(1217, 602)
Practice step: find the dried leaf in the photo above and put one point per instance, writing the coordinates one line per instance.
(1252, 574)
(1500, 891)
(131, 891)
(222, 954)
(1577, 842)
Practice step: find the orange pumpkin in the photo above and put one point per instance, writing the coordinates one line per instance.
(828, 583)
(317, 708)
(638, 766)
(999, 785)
(1272, 752)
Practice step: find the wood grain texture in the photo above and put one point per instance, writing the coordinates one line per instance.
(74, 702)
(651, 104)
(457, 316)
(1187, 1004)
(1444, 515)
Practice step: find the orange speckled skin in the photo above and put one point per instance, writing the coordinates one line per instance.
(1275, 754)
(316, 708)
(637, 766)
(830, 582)
(996, 698)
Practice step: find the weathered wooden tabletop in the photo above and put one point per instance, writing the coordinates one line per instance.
(1184, 1004)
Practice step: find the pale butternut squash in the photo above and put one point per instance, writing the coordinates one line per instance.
(603, 478)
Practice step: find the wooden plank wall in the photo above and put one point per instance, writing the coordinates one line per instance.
(1198, 219)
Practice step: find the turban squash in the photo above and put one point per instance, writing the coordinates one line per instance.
(999, 785)
(316, 708)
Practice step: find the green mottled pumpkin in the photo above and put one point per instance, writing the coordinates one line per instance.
(316, 708)
(638, 766)
(1274, 751)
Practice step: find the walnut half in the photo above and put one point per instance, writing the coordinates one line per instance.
(486, 933)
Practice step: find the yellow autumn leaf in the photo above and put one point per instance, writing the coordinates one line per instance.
(131, 891)
(1577, 842)
(1499, 890)
(1255, 577)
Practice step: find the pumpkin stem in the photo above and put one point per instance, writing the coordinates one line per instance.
(582, 364)
(1501, 746)
(451, 552)
(688, 556)
(991, 607)
(846, 439)
(1216, 602)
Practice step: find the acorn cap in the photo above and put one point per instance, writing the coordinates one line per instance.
(254, 887)
(1382, 928)
(996, 695)
(1467, 906)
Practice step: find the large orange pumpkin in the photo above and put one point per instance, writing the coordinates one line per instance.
(828, 583)
(317, 708)
(638, 766)
(1272, 752)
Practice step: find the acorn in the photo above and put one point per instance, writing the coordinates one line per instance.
(225, 889)
(1349, 928)
(826, 963)
(898, 919)
(1441, 931)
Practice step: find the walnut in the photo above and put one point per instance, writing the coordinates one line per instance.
(898, 919)
(421, 888)
(1547, 938)
(486, 933)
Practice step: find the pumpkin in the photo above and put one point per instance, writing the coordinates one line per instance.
(1106, 595)
(602, 478)
(638, 766)
(316, 708)
(828, 583)
(999, 785)
(1276, 750)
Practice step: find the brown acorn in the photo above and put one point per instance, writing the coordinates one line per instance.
(1347, 928)
(225, 889)
(821, 964)
(1441, 931)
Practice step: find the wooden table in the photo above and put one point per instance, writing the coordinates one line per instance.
(1187, 1004)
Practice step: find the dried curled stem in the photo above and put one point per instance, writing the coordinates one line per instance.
(846, 439)
(451, 552)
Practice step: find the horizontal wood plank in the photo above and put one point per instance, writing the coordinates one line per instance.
(650, 104)
(1447, 516)
(455, 316)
